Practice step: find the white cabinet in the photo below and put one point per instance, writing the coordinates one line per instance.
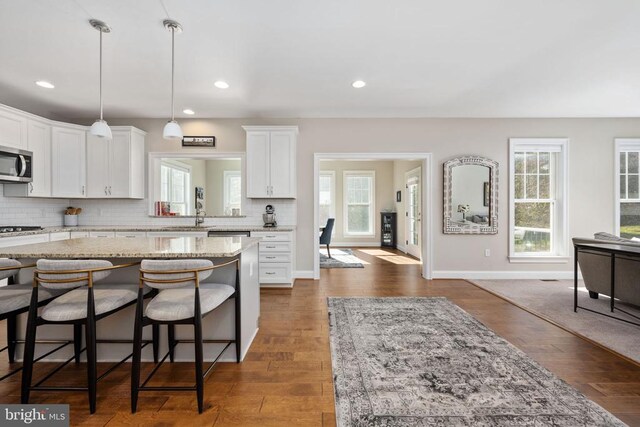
(276, 257)
(131, 234)
(271, 161)
(79, 234)
(68, 162)
(39, 143)
(5, 242)
(59, 235)
(117, 166)
(13, 128)
(177, 234)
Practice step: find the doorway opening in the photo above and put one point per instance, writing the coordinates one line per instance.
(374, 202)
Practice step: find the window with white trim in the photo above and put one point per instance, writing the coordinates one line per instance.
(327, 196)
(232, 191)
(175, 181)
(627, 187)
(359, 203)
(538, 198)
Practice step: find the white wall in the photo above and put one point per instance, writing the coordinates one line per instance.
(383, 194)
(590, 156)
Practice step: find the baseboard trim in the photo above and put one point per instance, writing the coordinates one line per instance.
(353, 245)
(490, 275)
(401, 248)
(303, 274)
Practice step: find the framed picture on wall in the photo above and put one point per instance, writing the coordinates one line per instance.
(199, 141)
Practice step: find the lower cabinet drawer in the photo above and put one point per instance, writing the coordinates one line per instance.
(275, 272)
(275, 247)
(131, 234)
(102, 234)
(275, 257)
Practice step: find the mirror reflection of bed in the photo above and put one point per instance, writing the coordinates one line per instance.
(470, 194)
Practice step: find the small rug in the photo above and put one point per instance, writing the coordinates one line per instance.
(340, 258)
(553, 300)
(425, 361)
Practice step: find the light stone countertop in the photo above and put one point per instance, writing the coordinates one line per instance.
(169, 228)
(144, 247)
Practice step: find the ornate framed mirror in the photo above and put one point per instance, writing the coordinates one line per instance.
(470, 196)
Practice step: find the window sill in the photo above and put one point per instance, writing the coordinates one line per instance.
(539, 259)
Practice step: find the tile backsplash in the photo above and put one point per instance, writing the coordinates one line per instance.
(24, 211)
(136, 212)
(48, 212)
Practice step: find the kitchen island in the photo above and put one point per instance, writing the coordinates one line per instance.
(217, 325)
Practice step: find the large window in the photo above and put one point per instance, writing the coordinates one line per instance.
(359, 204)
(232, 191)
(175, 181)
(538, 201)
(327, 195)
(628, 187)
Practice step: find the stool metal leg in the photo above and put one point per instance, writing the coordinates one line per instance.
(92, 367)
(29, 347)
(77, 341)
(197, 327)
(156, 341)
(171, 329)
(12, 324)
(137, 353)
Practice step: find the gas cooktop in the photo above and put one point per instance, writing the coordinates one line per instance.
(17, 228)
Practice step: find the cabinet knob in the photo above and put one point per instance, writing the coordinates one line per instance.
(83, 189)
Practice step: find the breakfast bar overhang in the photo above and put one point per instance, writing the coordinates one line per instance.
(217, 325)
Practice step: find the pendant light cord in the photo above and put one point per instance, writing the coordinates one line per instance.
(173, 65)
(101, 118)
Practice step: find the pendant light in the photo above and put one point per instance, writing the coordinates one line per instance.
(100, 128)
(172, 128)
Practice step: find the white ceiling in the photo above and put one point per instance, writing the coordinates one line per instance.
(297, 58)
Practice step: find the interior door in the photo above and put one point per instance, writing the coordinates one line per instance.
(413, 212)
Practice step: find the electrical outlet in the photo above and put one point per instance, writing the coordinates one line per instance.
(487, 252)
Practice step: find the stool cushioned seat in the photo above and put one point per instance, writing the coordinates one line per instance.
(15, 297)
(178, 304)
(73, 304)
(7, 262)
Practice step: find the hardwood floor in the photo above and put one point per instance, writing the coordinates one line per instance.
(286, 378)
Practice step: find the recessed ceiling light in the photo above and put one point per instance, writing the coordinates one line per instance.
(45, 84)
(221, 85)
(358, 84)
(188, 111)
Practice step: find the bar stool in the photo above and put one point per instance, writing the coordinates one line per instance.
(182, 300)
(14, 300)
(84, 303)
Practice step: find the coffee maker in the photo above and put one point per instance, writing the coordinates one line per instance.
(269, 217)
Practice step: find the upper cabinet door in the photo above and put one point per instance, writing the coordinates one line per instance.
(98, 150)
(68, 166)
(13, 129)
(120, 165)
(39, 143)
(258, 182)
(283, 164)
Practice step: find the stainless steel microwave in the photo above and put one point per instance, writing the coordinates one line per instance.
(15, 165)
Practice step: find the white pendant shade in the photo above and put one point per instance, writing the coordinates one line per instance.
(101, 129)
(172, 130)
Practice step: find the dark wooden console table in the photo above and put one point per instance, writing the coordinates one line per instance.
(606, 249)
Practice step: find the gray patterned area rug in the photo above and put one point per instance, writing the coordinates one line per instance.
(426, 362)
